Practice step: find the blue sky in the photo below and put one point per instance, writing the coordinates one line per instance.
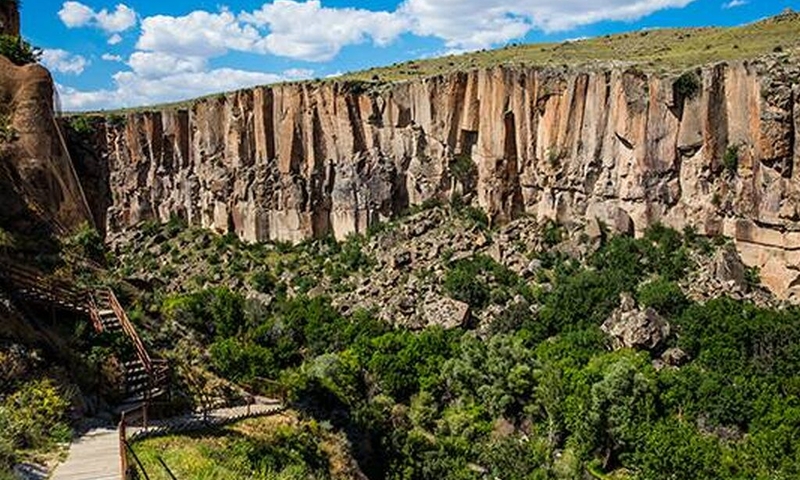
(108, 54)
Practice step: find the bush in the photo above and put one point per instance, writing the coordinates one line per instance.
(553, 233)
(88, 242)
(18, 50)
(481, 280)
(688, 85)
(33, 417)
(464, 170)
(242, 361)
(263, 281)
(731, 159)
(81, 124)
(216, 311)
(464, 285)
(664, 296)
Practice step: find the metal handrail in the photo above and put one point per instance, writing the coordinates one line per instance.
(129, 449)
(164, 464)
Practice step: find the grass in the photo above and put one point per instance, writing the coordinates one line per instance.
(664, 51)
(660, 50)
(224, 454)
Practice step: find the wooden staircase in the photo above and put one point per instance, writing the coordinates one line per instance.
(145, 378)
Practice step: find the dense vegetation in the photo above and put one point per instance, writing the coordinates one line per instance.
(19, 51)
(539, 394)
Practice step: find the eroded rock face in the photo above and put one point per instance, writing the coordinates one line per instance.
(300, 160)
(39, 189)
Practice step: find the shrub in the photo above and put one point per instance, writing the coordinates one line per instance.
(87, 241)
(463, 169)
(553, 233)
(18, 50)
(242, 361)
(731, 159)
(7, 132)
(263, 281)
(81, 124)
(216, 311)
(688, 85)
(33, 417)
(463, 284)
(664, 296)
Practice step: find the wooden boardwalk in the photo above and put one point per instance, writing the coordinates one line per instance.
(96, 456)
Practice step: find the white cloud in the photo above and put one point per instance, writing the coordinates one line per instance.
(158, 64)
(309, 31)
(114, 39)
(63, 61)
(132, 89)
(108, 57)
(199, 34)
(734, 4)
(482, 23)
(76, 14)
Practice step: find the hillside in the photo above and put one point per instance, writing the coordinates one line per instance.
(663, 51)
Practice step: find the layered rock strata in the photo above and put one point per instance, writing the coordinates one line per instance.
(717, 151)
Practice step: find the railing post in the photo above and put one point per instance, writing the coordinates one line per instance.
(123, 454)
(144, 413)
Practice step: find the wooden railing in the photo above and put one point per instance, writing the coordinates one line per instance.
(129, 330)
(34, 284)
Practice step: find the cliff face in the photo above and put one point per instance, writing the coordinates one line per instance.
(9, 18)
(39, 190)
(302, 160)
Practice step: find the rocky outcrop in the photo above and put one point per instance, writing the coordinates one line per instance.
(614, 144)
(39, 190)
(630, 327)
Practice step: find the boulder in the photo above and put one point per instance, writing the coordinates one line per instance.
(728, 267)
(674, 357)
(445, 312)
(630, 327)
(402, 259)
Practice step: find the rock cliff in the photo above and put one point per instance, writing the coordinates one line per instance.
(715, 148)
(39, 189)
(9, 18)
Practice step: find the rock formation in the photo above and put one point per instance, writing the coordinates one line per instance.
(630, 327)
(9, 18)
(615, 144)
(40, 190)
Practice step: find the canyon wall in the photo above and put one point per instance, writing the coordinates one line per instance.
(718, 152)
